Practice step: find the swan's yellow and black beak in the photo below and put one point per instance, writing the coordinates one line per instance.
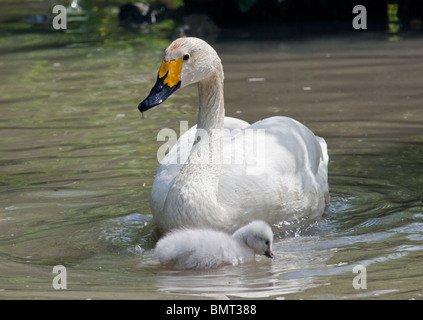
(168, 81)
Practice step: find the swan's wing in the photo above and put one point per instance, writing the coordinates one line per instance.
(290, 146)
(232, 124)
(172, 163)
(283, 170)
(322, 172)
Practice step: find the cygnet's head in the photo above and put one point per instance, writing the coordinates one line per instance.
(186, 61)
(257, 235)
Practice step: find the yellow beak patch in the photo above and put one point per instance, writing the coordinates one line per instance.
(173, 70)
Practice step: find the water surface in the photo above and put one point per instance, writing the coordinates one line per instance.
(77, 164)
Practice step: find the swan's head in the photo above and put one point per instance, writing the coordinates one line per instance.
(186, 61)
(257, 235)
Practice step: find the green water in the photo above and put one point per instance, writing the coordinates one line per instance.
(77, 163)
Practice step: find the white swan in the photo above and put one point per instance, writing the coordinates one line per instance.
(206, 248)
(192, 188)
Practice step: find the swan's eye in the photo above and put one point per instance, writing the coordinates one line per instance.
(186, 57)
(266, 243)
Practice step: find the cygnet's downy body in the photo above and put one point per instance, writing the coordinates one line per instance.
(207, 248)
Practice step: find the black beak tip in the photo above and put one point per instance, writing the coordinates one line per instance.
(158, 94)
(146, 104)
(141, 107)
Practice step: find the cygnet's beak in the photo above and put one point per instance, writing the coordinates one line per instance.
(168, 81)
(269, 254)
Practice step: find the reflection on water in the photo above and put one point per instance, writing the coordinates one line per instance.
(244, 282)
(77, 163)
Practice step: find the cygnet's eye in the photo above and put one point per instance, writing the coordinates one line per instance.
(266, 243)
(186, 57)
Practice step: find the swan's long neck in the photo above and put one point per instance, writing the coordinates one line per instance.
(208, 139)
(195, 188)
(211, 112)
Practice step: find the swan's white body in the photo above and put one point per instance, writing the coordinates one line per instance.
(198, 248)
(290, 184)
